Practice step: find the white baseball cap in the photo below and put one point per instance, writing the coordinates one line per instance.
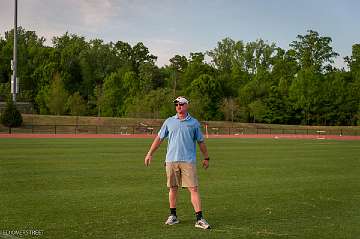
(181, 99)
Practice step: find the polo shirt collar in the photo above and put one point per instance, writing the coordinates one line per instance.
(188, 116)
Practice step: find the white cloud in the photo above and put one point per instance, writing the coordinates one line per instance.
(107, 19)
(164, 49)
(94, 13)
(340, 63)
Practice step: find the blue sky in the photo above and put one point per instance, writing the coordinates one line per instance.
(169, 27)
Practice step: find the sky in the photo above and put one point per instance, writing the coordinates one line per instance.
(170, 27)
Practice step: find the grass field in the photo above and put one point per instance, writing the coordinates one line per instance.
(255, 188)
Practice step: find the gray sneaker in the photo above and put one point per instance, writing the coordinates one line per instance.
(172, 220)
(203, 224)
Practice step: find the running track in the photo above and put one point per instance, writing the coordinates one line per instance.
(103, 136)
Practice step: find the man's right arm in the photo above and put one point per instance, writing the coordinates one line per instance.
(155, 145)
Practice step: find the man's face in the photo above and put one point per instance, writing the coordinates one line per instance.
(181, 108)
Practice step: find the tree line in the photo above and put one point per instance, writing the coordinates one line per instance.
(244, 81)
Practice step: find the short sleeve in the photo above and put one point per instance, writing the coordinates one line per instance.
(198, 134)
(163, 132)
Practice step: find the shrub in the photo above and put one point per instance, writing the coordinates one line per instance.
(11, 117)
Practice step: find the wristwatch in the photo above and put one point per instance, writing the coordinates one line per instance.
(207, 158)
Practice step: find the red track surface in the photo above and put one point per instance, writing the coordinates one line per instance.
(98, 136)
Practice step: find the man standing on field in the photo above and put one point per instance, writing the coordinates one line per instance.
(183, 131)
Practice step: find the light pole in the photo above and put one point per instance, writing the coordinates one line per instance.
(14, 83)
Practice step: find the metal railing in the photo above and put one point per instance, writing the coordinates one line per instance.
(80, 129)
(275, 131)
(146, 129)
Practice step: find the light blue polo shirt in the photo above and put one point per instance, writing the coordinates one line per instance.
(182, 137)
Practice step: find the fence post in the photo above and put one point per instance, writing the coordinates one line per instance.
(55, 128)
(96, 129)
(9, 130)
(229, 130)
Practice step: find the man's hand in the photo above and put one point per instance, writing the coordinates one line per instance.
(156, 143)
(148, 159)
(205, 164)
(203, 149)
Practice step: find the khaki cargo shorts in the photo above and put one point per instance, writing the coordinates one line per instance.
(181, 174)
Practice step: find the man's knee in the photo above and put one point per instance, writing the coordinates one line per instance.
(193, 189)
(173, 189)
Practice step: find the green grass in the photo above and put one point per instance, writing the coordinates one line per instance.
(255, 188)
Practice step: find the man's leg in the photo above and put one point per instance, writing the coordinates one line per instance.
(195, 198)
(172, 183)
(196, 202)
(173, 196)
(190, 180)
(172, 219)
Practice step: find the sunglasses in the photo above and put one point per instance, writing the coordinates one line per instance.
(179, 104)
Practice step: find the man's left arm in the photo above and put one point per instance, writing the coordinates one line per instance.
(204, 151)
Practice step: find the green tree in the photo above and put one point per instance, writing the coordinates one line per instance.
(5, 91)
(313, 51)
(195, 68)
(205, 95)
(294, 86)
(42, 99)
(149, 76)
(131, 84)
(123, 52)
(76, 104)
(68, 49)
(155, 104)
(97, 61)
(45, 71)
(229, 60)
(4, 62)
(113, 95)
(224, 55)
(57, 96)
(177, 67)
(257, 111)
(97, 100)
(139, 55)
(304, 93)
(11, 117)
(230, 109)
(355, 72)
(28, 57)
(279, 107)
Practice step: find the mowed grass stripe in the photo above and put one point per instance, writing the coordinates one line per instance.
(255, 188)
